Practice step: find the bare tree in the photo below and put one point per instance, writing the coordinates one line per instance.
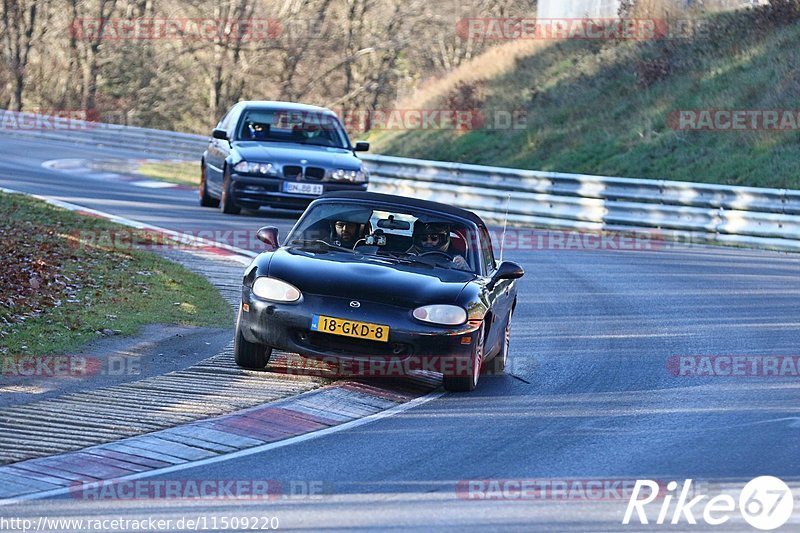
(20, 27)
(225, 84)
(297, 43)
(348, 54)
(86, 47)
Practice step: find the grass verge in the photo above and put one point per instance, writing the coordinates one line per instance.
(182, 173)
(610, 107)
(59, 288)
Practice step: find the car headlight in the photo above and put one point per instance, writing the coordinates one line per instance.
(275, 290)
(447, 315)
(249, 167)
(354, 176)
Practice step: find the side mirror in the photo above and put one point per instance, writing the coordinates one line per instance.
(220, 134)
(361, 146)
(269, 236)
(506, 270)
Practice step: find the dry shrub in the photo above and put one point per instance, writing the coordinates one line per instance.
(778, 13)
(658, 67)
(650, 71)
(658, 9)
(466, 96)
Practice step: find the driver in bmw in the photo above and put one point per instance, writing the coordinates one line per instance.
(435, 237)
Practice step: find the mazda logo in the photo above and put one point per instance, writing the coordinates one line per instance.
(355, 304)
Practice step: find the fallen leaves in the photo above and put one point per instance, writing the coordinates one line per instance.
(34, 276)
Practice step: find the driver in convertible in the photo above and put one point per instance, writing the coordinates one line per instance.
(435, 237)
(345, 234)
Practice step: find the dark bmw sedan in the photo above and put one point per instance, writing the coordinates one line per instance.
(382, 283)
(278, 154)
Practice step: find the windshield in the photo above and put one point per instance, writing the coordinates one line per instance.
(388, 232)
(310, 128)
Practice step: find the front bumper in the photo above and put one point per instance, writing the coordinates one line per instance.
(254, 192)
(411, 345)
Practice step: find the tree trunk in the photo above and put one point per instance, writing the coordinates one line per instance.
(92, 68)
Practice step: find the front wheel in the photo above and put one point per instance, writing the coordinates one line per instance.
(468, 383)
(497, 366)
(226, 203)
(250, 355)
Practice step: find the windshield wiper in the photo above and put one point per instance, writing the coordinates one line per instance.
(322, 145)
(285, 141)
(289, 141)
(308, 242)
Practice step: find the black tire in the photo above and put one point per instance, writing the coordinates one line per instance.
(250, 355)
(470, 382)
(497, 366)
(206, 200)
(226, 203)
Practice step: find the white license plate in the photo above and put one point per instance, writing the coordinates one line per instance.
(302, 188)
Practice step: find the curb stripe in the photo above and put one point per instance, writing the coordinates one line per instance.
(242, 453)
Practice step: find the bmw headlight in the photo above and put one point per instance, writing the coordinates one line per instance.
(446, 315)
(248, 167)
(275, 290)
(353, 176)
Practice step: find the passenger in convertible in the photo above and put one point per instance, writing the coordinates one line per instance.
(435, 237)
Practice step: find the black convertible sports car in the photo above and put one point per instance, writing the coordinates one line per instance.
(366, 278)
(278, 154)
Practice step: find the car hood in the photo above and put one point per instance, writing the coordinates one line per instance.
(292, 153)
(341, 275)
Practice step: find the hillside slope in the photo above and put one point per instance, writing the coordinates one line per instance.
(610, 108)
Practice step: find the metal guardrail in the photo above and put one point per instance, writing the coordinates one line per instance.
(692, 212)
(164, 143)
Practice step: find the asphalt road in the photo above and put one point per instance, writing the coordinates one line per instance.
(177, 209)
(590, 395)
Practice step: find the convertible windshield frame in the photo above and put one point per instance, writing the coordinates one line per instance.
(472, 236)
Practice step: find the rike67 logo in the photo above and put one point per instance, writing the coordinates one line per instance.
(765, 503)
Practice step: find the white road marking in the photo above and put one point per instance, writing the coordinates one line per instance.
(152, 184)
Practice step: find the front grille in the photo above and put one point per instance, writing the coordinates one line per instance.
(315, 173)
(295, 172)
(292, 172)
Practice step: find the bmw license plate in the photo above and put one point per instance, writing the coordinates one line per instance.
(302, 188)
(350, 328)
